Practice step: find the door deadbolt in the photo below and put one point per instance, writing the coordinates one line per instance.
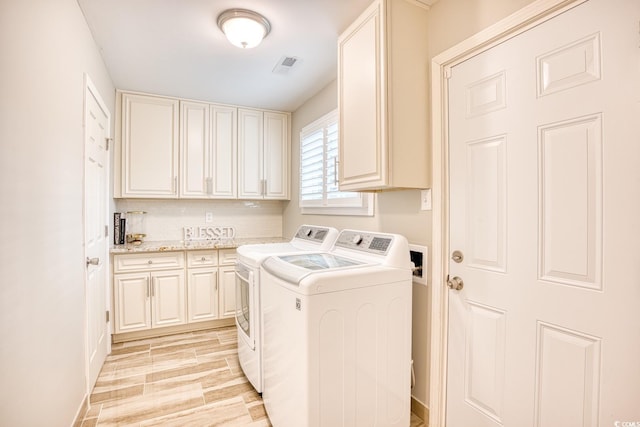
(457, 257)
(455, 283)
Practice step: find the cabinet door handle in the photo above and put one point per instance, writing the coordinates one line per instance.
(153, 288)
(264, 186)
(148, 291)
(175, 185)
(209, 185)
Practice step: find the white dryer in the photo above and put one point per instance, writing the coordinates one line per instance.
(337, 334)
(308, 238)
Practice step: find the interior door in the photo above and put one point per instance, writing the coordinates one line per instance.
(96, 190)
(544, 141)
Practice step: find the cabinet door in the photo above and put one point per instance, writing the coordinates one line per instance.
(361, 100)
(168, 298)
(202, 294)
(132, 302)
(195, 150)
(224, 143)
(250, 154)
(276, 155)
(227, 292)
(149, 146)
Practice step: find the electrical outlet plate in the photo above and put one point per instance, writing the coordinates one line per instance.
(418, 253)
(425, 200)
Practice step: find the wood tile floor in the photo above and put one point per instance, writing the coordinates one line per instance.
(191, 379)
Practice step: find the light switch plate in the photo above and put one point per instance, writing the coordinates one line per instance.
(208, 217)
(425, 200)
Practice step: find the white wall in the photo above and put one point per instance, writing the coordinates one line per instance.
(46, 47)
(452, 21)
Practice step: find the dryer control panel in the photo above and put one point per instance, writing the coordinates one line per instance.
(314, 234)
(365, 241)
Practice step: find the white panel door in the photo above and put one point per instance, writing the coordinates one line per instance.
(544, 200)
(96, 193)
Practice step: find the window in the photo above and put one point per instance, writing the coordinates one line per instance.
(319, 192)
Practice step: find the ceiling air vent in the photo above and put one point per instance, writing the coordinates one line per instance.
(285, 64)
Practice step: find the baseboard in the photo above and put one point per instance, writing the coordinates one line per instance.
(420, 409)
(84, 407)
(157, 332)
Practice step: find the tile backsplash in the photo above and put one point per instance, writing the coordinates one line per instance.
(166, 218)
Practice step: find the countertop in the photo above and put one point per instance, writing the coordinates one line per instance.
(181, 245)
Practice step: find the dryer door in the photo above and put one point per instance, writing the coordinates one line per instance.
(245, 306)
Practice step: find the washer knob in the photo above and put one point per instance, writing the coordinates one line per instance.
(357, 239)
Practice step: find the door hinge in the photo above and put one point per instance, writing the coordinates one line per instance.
(108, 140)
(106, 231)
(447, 73)
(107, 316)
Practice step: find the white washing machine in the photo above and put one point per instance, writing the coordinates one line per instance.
(337, 334)
(308, 238)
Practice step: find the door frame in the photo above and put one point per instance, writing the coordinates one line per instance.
(521, 21)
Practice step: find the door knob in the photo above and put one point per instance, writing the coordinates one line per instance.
(93, 261)
(455, 283)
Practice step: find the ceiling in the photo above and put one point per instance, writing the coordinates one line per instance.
(174, 48)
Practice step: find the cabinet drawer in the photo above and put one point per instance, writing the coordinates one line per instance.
(227, 256)
(147, 261)
(206, 258)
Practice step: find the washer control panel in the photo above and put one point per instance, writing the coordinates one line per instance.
(364, 241)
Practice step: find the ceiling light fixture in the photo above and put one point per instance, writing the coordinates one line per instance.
(244, 28)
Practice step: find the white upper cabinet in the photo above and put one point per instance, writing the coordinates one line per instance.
(195, 150)
(224, 149)
(263, 154)
(149, 147)
(207, 151)
(172, 148)
(382, 97)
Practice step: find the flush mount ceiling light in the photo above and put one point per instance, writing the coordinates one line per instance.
(244, 28)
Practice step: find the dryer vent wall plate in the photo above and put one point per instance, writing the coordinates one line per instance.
(419, 260)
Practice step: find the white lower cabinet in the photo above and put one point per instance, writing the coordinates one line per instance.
(202, 283)
(154, 290)
(132, 307)
(203, 294)
(227, 291)
(147, 300)
(227, 276)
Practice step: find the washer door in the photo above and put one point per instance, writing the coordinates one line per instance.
(245, 304)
